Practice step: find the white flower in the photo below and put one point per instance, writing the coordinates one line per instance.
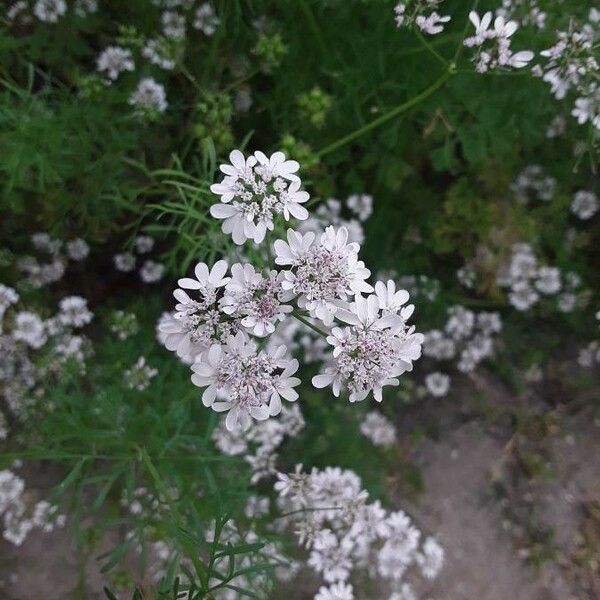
(336, 591)
(11, 488)
(74, 312)
(330, 557)
(49, 11)
(392, 301)
(124, 262)
(497, 54)
(522, 296)
(114, 60)
(173, 24)
(247, 383)
(139, 376)
(197, 322)
(77, 249)
(83, 8)
(149, 96)
(432, 24)
(431, 558)
(585, 205)
(205, 19)
(437, 384)
(361, 205)
(370, 354)
(460, 322)
(253, 191)
(143, 244)
(152, 271)
(159, 53)
(254, 298)
(379, 429)
(8, 296)
(482, 31)
(29, 328)
(548, 280)
(321, 273)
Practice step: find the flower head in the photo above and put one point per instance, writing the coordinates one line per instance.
(255, 190)
(322, 273)
(245, 381)
(372, 353)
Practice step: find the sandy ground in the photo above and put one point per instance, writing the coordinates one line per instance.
(484, 557)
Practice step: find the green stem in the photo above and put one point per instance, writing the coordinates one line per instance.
(392, 114)
(427, 46)
(306, 322)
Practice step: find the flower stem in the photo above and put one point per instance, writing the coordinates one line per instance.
(392, 114)
(306, 322)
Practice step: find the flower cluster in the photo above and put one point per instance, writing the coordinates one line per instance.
(368, 343)
(344, 533)
(421, 13)
(528, 281)
(533, 183)
(493, 44)
(378, 428)
(572, 65)
(19, 516)
(467, 336)
(48, 11)
(53, 259)
(27, 339)
(260, 442)
(139, 376)
(149, 97)
(585, 205)
(150, 271)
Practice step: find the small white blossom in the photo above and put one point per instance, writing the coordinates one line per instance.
(205, 19)
(114, 60)
(152, 271)
(29, 328)
(585, 205)
(140, 375)
(77, 249)
(124, 262)
(379, 429)
(74, 312)
(49, 11)
(437, 384)
(149, 96)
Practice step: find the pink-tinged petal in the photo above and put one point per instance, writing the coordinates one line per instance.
(209, 395)
(275, 404)
(322, 381)
(260, 413)
(289, 394)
